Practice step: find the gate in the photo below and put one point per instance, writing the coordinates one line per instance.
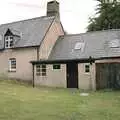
(108, 75)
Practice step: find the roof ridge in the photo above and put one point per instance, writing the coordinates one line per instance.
(26, 20)
(100, 31)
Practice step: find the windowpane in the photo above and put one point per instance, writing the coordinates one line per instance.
(43, 70)
(11, 43)
(13, 67)
(38, 70)
(37, 66)
(38, 74)
(6, 38)
(43, 73)
(6, 44)
(44, 66)
(56, 66)
(13, 62)
(11, 37)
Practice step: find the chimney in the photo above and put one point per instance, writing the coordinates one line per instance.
(53, 8)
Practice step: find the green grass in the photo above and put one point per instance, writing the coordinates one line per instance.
(22, 102)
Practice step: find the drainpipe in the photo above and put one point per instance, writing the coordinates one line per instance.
(33, 82)
(90, 76)
(91, 70)
(37, 53)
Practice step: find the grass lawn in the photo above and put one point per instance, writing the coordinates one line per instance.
(22, 102)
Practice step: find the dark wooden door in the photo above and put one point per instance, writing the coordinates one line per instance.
(72, 75)
(101, 76)
(108, 75)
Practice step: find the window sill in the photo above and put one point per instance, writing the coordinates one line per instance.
(8, 47)
(12, 71)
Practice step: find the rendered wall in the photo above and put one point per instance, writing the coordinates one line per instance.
(86, 81)
(23, 66)
(54, 78)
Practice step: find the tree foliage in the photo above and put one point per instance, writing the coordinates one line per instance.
(108, 16)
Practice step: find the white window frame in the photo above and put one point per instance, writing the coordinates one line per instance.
(87, 68)
(12, 64)
(8, 41)
(41, 70)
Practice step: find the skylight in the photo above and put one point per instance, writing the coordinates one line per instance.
(79, 46)
(114, 43)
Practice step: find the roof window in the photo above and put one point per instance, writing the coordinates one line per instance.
(114, 43)
(79, 46)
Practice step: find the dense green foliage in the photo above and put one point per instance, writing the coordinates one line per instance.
(107, 16)
(20, 102)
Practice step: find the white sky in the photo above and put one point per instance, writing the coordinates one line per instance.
(74, 13)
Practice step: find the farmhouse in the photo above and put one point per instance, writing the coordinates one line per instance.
(38, 51)
(27, 40)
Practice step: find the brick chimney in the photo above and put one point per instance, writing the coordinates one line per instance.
(53, 8)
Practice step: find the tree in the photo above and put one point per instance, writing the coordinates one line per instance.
(108, 16)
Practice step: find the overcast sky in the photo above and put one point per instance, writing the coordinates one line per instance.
(74, 13)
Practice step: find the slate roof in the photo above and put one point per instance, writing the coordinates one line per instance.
(97, 45)
(31, 31)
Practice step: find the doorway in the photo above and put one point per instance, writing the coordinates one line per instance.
(72, 75)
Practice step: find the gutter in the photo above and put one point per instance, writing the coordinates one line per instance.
(103, 58)
(83, 60)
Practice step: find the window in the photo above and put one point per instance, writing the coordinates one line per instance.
(79, 46)
(56, 66)
(8, 41)
(114, 43)
(87, 68)
(12, 64)
(41, 70)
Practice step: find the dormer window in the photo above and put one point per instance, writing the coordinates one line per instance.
(8, 41)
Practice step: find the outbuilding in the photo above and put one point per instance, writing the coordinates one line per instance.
(84, 61)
